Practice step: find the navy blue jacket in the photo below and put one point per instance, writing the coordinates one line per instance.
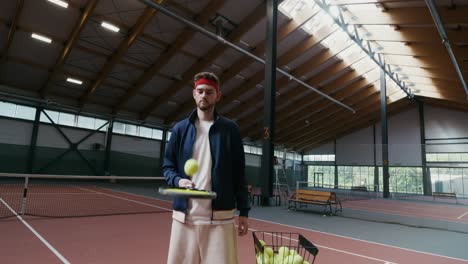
(228, 177)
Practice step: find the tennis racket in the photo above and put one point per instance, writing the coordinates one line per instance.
(187, 193)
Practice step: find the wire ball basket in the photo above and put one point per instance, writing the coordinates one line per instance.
(283, 248)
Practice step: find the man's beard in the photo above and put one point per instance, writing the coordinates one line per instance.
(206, 106)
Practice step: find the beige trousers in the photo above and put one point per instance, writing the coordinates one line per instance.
(202, 244)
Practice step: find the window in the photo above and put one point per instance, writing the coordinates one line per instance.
(7, 109)
(450, 180)
(52, 114)
(86, 122)
(119, 128)
(25, 112)
(254, 150)
(430, 157)
(145, 132)
(454, 157)
(403, 180)
(130, 130)
(66, 119)
(157, 134)
(99, 122)
(279, 154)
(328, 157)
(259, 151)
(349, 176)
(321, 176)
(447, 157)
(464, 157)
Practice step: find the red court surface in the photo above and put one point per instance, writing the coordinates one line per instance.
(413, 209)
(144, 238)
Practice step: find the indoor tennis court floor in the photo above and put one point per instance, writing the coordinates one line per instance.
(144, 238)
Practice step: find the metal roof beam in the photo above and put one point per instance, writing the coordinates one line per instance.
(13, 26)
(68, 46)
(291, 26)
(364, 45)
(235, 47)
(133, 35)
(181, 40)
(443, 34)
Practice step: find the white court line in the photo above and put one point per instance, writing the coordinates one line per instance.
(338, 250)
(134, 194)
(333, 249)
(413, 215)
(461, 216)
(125, 199)
(312, 230)
(361, 240)
(39, 194)
(47, 244)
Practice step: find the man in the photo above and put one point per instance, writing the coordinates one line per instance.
(203, 231)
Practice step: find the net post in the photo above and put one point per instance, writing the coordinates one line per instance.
(25, 195)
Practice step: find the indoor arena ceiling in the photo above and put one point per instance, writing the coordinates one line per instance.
(123, 58)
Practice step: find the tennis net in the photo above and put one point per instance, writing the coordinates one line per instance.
(78, 196)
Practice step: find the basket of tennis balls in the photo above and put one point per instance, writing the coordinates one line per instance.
(283, 248)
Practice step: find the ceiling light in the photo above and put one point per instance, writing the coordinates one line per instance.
(41, 38)
(110, 26)
(59, 3)
(74, 81)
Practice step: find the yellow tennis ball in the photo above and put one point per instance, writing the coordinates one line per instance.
(297, 259)
(191, 167)
(278, 259)
(284, 251)
(269, 251)
(263, 259)
(262, 242)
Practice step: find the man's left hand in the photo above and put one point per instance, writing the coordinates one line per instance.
(243, 226)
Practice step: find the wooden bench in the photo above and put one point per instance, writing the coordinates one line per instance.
(328, 199)
(359, 188)
(447, 195)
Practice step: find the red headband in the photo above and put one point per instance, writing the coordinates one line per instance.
(208, 82)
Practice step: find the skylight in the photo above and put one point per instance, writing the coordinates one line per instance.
(339, 41)
(291, 7)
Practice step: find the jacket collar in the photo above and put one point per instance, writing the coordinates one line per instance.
(194, 115)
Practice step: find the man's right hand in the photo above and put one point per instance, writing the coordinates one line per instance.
(186, 183)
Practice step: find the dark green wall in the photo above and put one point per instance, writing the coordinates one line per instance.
(14, 159)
